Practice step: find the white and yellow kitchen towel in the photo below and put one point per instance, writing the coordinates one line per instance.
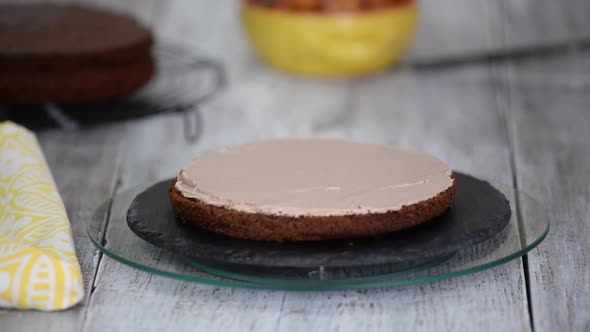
(38, 265)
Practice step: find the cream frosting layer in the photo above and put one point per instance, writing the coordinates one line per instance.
(314, 177)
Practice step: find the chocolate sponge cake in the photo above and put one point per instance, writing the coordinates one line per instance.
(311, 189)
(70, 54)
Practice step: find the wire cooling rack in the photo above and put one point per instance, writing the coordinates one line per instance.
(184, 81)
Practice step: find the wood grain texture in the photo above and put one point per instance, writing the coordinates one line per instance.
(451, 114)
(476, 28)
(464, 31)
(548, 110)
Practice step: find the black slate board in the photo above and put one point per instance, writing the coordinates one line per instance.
(479, 212)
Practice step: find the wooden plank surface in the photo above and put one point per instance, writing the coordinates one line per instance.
(470, 29)
(452, 115)
(427, 111)
(264, 104)
(549, 120)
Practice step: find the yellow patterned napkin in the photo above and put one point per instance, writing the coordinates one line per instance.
(38, 265)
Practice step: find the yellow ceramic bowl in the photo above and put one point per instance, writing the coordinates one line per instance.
(331, 44)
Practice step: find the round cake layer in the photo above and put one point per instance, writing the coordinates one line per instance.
(265, 227)
(314, 177)
(85, 85)
(69, 54)
(57, 37)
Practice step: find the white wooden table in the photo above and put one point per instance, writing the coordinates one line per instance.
(498, 88)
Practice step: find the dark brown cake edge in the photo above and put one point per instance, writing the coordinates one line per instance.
(85, 85)
(277, 228)
(117, 56)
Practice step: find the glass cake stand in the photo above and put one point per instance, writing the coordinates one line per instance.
(109, 232)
